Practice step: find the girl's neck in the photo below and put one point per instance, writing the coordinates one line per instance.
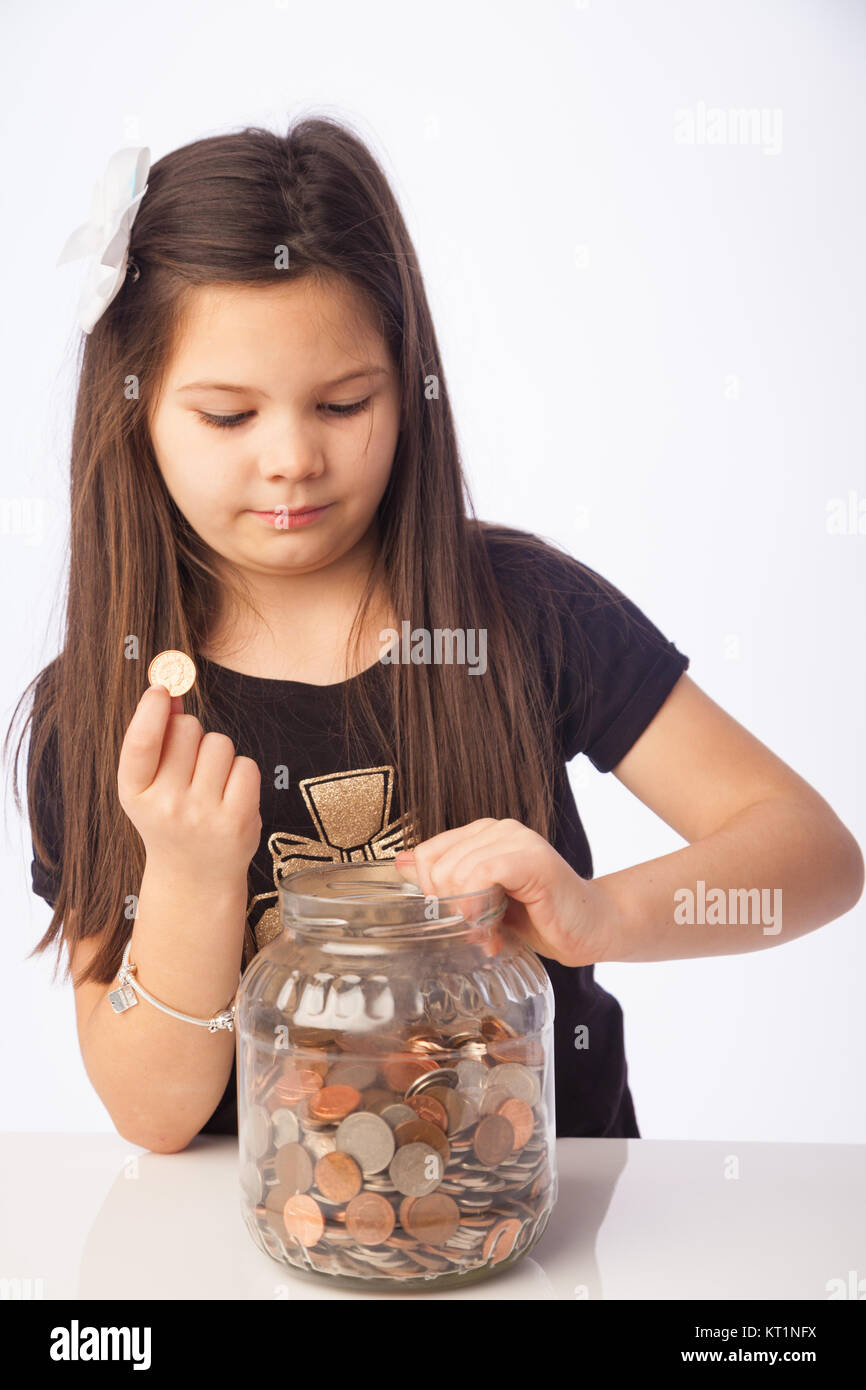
(306, 621)
(305, 646)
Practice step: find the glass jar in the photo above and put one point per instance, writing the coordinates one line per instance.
(395, 1083)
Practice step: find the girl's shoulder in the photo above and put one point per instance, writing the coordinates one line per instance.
(536, 570)
(609, 664)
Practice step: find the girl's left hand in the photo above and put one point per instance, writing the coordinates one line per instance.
(558, 913)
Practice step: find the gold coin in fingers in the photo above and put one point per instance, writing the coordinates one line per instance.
(174, 670)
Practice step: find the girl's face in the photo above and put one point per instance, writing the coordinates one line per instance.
(278, 398)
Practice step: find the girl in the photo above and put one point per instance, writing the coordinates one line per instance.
(265, 475)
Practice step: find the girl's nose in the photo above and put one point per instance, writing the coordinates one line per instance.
(291, 455)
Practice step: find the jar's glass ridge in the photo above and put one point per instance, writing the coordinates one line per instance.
(395, 1083)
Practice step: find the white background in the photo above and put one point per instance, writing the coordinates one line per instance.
(655, 354)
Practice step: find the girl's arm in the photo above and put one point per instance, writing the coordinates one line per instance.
(159, 1078)
(196, 806)
(752, 823)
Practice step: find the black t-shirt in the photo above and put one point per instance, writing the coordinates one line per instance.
(319, 807)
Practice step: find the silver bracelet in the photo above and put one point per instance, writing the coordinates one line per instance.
(124, 998)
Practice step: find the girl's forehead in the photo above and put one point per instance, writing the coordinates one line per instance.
(320, 322)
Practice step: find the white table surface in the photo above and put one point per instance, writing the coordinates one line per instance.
(90, 1216)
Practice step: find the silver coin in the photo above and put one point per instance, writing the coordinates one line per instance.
(442, 1076)
(369, 1139)
(463, 1110)
(251, 1182)
(491, 1100)
(285, 1125)
(320, 1144)
(416, 1169)
(398, 1112)
(352, 1071)
(471, 1072)
(257, 1131)
(515, 1080)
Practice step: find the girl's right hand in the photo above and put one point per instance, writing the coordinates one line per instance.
(194, 803)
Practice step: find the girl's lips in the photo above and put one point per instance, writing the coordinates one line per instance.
(285, 521)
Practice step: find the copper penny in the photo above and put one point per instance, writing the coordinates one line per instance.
(369, 1042)
(274, 1219)
(293, 1085)
(528, 1051)
(401, 1070)
(494, 1028)
(429, 1261)
(294, 1168)
(334, 1102)
(402, 1242)
(338, 1176)
(493, 1140)
(521, 1116)
(375, 1098)
(311, 1037)
(320, 1065)
(370, 1218)
(427, 1107)
(277, 1196)
(433, 1218)
(404, 1209)
(303, 1219)
(499, 1242)
(174, 670)
(423, 1132)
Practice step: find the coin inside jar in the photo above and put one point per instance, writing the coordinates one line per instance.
(369, 1139)
(251, 1182)
(174, 670)
(353, 1071)
(513, 1079)
(370, 1218)
(526, 1050)
(303, 1219)
(427, 1107)
(295, 1085)
(416, 1169)
(258, 1130)
(425, 1132)
(285, 1123)
(334, 1102)
(433, 1219)
(294, 1167)
(499, 1242)
(492, 1140)
(338, 1176)
(520, 1116)
(401, 1071)
(395, 1114)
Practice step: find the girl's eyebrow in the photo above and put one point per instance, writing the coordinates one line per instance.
(371, 370)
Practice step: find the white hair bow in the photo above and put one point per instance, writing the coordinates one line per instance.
(112, 212)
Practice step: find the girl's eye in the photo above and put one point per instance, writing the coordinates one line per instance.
(224, 422)
(228, 422)
(353, 409)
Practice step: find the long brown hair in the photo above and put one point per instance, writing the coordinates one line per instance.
(214, 212)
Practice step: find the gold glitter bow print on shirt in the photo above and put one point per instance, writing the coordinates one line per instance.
(350, 811)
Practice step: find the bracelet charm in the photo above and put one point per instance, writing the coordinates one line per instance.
(126, 995)
(122, 998)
